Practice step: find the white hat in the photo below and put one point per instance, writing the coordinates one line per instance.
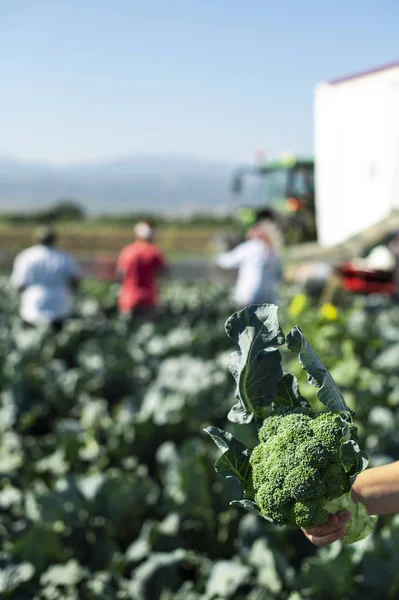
(143, 231)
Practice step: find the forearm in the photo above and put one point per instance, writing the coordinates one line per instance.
(378, 489)
(226, 261)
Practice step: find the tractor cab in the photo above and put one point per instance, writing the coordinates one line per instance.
(286, 189)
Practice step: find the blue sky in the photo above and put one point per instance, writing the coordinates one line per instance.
(216, 79)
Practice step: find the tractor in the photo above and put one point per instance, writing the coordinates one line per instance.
(287, 195)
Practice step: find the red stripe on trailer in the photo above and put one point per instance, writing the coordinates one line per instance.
(346, 78)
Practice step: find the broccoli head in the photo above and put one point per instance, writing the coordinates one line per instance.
(297, 467)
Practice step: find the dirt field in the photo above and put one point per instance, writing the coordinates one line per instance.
(88, 240)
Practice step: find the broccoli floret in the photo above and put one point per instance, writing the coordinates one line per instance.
(335, 483)
(297, 469)
(304, 483)
(304, 514)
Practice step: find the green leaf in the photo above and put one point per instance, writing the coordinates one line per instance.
(40, 545)
(319, 576)
(12, 576)
(65, 504)
(328, 393)
(256, 367)
(252, 507)
(387, 361)
(234, 460)
(263, 318)
(62, 575)
(186, 476)
(288, 393)
(124, 497)
(239, 414)
(353, 459)
(225, 579)
(162, 572)
(266, 559)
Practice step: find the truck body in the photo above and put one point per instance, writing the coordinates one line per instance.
(356, 143)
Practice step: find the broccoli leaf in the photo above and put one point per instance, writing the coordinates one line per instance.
(252, 507)
(70, 573)
(234, 460)
(12, 576)
(256, 367)
(328, 393)
(288, 393)
(226, 579)
(353, 459)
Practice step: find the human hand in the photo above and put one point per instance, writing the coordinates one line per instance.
(329, 532)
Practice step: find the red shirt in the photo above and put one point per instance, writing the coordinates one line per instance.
(139, 264)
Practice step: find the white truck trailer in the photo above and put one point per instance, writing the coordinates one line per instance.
(356, 131)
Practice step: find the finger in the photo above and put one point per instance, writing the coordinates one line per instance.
(331, 525)
(325, 540)
(334, 522)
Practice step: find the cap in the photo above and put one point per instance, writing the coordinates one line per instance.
(144, 231)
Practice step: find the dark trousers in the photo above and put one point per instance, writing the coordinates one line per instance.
(142, 314)
(56, 325)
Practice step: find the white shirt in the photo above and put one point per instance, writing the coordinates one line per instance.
(44, 274)
(259, 272)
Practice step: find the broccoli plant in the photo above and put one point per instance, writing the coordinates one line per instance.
(306, 460)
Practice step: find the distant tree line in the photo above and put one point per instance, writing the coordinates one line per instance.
(62, 211)
(69, 211)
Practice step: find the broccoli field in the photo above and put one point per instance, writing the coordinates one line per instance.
(107, 484)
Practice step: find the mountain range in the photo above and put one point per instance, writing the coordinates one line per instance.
(168, 185)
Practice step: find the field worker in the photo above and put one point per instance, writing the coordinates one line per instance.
(377, 488)
(139, 265)
(47, 279)
(259, 265)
